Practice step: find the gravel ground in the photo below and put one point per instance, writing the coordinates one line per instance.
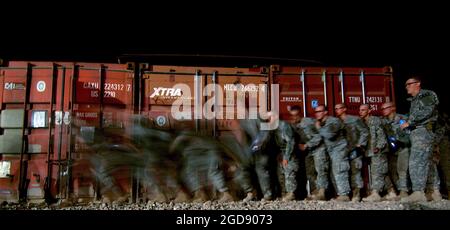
(253, 205)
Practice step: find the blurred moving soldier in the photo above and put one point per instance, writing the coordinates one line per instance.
(357, 135)
(158, 172)
(256, 158)
(332, 131)
(398, 157)
(376, 150)
(201, 156)
(113, 151)
(312, 143)
(422, 118)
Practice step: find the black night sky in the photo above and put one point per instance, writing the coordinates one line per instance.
(410, 42)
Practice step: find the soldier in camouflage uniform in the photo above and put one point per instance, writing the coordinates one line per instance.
(443, 148)
(112, 151)
(312, 143)
(255, 142)
(422, 118)
(398, 157)
(434, 181)
(201, 157)
(284, 141)
(376, 150)
(154, 144)
(357, 135)
(439, 160)
(332, 131)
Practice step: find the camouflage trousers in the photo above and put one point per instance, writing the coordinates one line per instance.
(340, 168)
(444, 150)
(200, 167)
(420, 157)
(398, 170)
(290, 175)
(356, 176)
(311, 173)
(321, 165)
(104, 164)
(260, 162)
(433, 180)
(378, 171)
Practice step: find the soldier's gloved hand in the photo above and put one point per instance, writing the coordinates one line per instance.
(284, 163)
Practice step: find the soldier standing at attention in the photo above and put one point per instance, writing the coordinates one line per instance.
(376, 150)
(357, 135)
(332, 131)
(423, 115)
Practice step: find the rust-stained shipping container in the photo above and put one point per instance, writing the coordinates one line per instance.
(52, 112)
(330, 86)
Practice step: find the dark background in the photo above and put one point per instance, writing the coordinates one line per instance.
(411, 39)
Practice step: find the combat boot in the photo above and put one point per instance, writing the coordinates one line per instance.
(392, 195)
(250, 196)
(417, 196)
(226, 197)
(289, 196)
(267, 198)
(121, 200)
(159, 197)
(181, 197)
(403, 194)
(428, 195)
(374, 197)
(356, 197)
(83, 200)
(64, 203)
(106, 200)
(319, 195)
(342, 198)
(200, 196)
(436, 195)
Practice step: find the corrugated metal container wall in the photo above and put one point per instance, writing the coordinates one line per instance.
(33, 141)
(330, 86)
(161, 91)
(52, 113)
(43, 113)
(94, 113)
